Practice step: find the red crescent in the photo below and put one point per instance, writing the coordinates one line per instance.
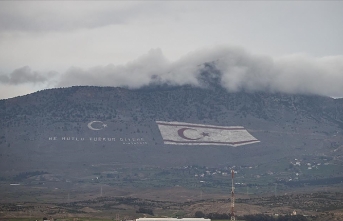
(181, 131)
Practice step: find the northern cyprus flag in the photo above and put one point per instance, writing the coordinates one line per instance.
(179, 133)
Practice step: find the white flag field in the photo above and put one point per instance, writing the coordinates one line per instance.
(179, 133)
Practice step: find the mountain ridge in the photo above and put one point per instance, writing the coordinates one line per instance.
(288, 126)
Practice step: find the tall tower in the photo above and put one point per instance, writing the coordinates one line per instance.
(232, 196)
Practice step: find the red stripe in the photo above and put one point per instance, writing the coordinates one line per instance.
(199, 126)
(211, 142)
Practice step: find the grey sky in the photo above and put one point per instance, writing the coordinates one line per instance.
(282, 46)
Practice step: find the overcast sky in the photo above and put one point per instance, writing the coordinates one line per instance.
(286, 46)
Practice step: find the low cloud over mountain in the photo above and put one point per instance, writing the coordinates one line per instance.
(26, 75)
(230, 67)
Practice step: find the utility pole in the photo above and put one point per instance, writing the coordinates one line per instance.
(232, 196)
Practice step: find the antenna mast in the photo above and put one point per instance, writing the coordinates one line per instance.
(232, 196)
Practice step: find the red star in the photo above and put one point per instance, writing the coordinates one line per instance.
(205, 134)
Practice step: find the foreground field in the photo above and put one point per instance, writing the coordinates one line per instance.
(122, 204)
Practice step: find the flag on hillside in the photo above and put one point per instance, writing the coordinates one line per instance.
(179, 133)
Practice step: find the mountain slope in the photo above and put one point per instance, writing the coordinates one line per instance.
(35, 128)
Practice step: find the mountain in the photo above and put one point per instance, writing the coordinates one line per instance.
(72, 131)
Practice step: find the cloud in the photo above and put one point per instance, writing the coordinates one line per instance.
(134, 74)
(229, 67)
(305, 74)
(232, 68)
(68, 16)
(47, 16)
(25, 75)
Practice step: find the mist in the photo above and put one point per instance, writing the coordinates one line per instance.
(26, 75)
(232, 68)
